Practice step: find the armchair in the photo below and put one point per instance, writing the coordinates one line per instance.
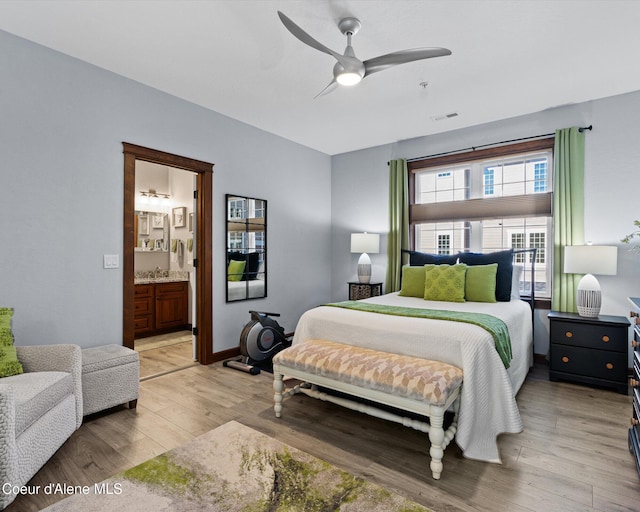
(39, 410)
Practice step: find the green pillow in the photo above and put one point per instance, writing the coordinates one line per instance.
(412, 281)
(480, 285)
(235, 270)
(9, 364)
(445, 282)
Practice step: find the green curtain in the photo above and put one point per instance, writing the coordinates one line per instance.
(568, 212)
(398, 222)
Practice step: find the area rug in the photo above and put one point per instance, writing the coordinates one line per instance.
(234, 468)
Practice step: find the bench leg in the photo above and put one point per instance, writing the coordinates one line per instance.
(133, 404)
(278, 386)
(436, 436)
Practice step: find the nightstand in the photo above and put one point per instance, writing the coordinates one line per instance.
(359, 291)
(589, 350)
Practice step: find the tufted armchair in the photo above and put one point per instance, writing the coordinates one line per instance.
(39, 410)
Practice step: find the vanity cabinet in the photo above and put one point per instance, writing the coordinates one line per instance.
(160, 308)
(172, 306)
(143, 309)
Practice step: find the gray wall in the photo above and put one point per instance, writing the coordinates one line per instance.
(360, 198)
(61, 197)
(63, 122)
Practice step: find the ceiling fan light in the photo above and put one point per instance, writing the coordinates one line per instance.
(348, 78)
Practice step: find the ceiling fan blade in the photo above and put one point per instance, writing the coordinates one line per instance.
(329, 88)
(393, 59)
(308, 40)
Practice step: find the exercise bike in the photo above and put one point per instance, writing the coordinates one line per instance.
(261, 339)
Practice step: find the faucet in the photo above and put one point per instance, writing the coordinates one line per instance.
(156, 271)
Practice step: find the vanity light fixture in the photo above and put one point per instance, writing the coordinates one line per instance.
(152, 197)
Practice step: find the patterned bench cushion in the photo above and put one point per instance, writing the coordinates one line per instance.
(410, 377)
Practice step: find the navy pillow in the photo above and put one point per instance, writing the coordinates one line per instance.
(504, 259)
(251, 268)
(422, 258)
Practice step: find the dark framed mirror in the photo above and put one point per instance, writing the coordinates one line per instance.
(246, 248)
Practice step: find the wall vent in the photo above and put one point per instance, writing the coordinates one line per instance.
(442, 117)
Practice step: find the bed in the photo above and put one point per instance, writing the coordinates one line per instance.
(488, 406)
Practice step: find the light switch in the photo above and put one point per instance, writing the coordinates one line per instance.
(111, 261)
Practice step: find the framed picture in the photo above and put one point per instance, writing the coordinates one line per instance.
(179, 217)
(158, 221)
(143, 224)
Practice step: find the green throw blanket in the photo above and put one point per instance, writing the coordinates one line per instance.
(494, 326)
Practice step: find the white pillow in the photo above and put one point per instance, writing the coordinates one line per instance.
(515, 282)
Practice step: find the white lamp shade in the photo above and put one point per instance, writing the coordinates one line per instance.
(591, 259)
(365, 242)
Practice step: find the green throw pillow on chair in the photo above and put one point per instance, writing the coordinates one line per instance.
(9, 364)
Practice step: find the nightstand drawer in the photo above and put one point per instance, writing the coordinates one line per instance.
(599, 364)
(605, 337)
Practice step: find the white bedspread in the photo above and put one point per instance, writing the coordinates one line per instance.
(488, 407)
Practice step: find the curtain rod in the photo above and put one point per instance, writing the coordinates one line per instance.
(473, 148)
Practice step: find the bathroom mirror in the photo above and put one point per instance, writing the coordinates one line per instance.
(151, 231)
(246, 248)
(152, 236)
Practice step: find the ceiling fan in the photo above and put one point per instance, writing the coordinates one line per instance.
(349, 70)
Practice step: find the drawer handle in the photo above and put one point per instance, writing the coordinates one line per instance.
(634, 422)
(609, 366)
(565, 359)
(634, 383)
(605, 338)
(568, 334)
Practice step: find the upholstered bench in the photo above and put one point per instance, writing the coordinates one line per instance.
(110, 377)
(420, 386)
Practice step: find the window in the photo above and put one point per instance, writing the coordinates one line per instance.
(484, 201)
(540, 176)
(444, 243)
(538, 240)
(489, 183)
(517, 242)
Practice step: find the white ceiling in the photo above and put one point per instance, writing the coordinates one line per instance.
(510, 57)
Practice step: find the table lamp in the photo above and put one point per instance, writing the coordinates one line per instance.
(365, 243)
(589, 260)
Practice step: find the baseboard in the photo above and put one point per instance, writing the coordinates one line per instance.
(226, 354)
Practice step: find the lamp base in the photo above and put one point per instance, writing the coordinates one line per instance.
(364, 268)
(589, 297)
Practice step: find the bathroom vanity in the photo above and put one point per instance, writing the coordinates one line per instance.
(160, 306)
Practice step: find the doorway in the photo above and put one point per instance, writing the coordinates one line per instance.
(202, 261)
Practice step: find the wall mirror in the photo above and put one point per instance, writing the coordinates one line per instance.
(152, 238)
(246, 248)
(152, 231)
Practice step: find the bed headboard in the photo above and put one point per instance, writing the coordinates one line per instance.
(532, 252)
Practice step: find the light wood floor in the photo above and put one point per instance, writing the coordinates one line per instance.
(165, 353)
(572, 455)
